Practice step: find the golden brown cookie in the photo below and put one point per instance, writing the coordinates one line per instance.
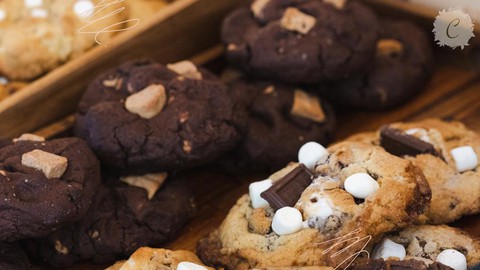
(454, 193)
(333, 220)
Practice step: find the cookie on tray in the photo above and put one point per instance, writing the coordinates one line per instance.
(146, 258)
(401, 67)
(144, 117)
(12, 257)
(301, 42)
(43, 34)
(124, 217)
(45, 185)
(427, 247)
(300, 217)
(281, 119)
(448, 154)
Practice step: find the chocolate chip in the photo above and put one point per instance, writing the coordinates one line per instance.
(287, 190)
(398, 143)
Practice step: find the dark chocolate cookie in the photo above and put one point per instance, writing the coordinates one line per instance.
(402, 67)
(121, 220)
(281, 119)
(44, 186)
(398, 265)
(143, 117)
(12, 257)
(301, 41)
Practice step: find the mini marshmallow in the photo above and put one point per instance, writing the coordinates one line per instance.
(190, 266)
(33, 3)
(318, 207)
(295, 20)
(29, 137)
(148, 102)
(39, 13)
(453, 259)
(255, 189)
(150, 182)
(3, 15)
(287, 220)
(310, 153)
(465, 158)
(389, 249)
(186, 69)
(360, 185)
(258, 6)
(53, 166)
(83, 8)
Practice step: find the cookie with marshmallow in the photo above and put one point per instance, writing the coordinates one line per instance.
(128, 213)
(43, 34)
(264, 229)
(453, 174)
(146, 258)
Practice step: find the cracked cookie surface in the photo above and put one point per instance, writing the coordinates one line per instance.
(199, 122)
(335, 46)
(121, 220)
(33, 205)
(243, 243)
(401, 68)
(273, 125)
(454, 193)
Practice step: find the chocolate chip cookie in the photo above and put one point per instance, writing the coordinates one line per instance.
(305, 227)
(445, 147)
(146, 258)
(143, 117)
(45, 185)
(281, 119)
(123, 218)
(301, 42)
(12, 257)
(401, 67)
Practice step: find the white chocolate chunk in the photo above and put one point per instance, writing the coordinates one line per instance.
(33, 3)
(295, 20)
(339, 4)
(307, 106)
(29, 137)
(53, 166)
(255, 189)
(361, 185)
(258, 6)
(83, 8)
(3, 173)
(60, 248)
(387, 47)
(189, 266)
(388, 249)
(39, 13)
(148, 102)
(420, 133)
(186, 69)
(287, 220)
(150, 182)
(310, 153)
(452, 258)
(465, 158)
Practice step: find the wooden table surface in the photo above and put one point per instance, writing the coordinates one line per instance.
(453, 92)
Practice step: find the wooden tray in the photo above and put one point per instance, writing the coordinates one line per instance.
(176, 32)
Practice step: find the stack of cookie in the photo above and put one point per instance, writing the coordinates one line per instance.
(385, 193)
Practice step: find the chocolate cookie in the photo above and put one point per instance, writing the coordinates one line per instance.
(280, 117)
(146, 258)
(298, 226)
(143, 117)
(442, 150)
(402, 66)
(299, 41)
(398, 265)
(45, 185)
(431, 245)
(12, 257)
(122, 219)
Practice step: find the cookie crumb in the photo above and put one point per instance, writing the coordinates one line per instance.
(295, 20)
(52, 166)
(307, 106)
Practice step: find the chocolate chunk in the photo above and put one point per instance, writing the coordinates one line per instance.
(439, 266)
(398, 143)
(287, 190)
